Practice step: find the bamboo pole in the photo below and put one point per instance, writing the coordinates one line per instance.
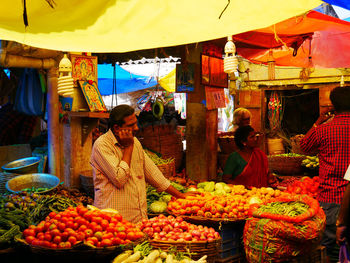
(53, 123)
(14, 61)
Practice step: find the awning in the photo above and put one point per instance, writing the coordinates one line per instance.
(125, 81)
(317, 40)
(128, 25)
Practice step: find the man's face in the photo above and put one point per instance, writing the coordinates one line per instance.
(245, 119)
(130, 122)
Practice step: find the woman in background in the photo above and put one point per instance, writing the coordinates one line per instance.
(247, 166)
(241, 117)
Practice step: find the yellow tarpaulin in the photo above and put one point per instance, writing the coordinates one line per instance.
(168, 81)
(128, 25)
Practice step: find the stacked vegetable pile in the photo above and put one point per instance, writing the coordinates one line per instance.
(145, 253)
(157, 202)
(311, 162)
(229, 206)
(285, 227)
(18, 211)
(305, 185)
(176, 229)
(79, 224)
(168, 232)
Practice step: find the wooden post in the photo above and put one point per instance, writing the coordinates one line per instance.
(53, 124)
(201, 129)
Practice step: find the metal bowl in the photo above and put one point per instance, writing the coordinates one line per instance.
(23, 166)
(37, 180)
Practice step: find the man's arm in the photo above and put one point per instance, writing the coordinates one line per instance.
(343, 217)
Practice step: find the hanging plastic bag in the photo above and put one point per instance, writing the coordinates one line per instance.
(29, 95)
(344, 254)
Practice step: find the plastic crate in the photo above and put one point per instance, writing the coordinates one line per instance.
(231, 231)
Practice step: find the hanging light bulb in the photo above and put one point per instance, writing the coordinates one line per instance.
(230, 60)
(65, 81)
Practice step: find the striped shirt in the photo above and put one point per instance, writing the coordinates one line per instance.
(332, 139)
(119, 186)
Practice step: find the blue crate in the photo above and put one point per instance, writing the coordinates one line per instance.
(231, 231)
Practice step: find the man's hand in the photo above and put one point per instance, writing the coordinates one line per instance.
(341, 235)
(125, 137)
(191, 193)
(324, 116)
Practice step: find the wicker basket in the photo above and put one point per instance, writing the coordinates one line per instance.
(167, 169)
(286, 165)
(199, 248)
(226, 142)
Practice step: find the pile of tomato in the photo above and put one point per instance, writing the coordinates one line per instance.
(305, 185)
(172, 228)
(79, 224)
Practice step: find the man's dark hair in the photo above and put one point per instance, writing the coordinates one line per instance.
(242, 134)
(340, 98)
(118, 114)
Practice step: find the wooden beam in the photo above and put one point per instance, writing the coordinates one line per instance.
(53, 127)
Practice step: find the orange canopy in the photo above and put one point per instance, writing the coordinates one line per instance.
(310, 40)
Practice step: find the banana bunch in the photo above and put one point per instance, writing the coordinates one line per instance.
(311, 162)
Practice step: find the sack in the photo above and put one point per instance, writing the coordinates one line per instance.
(344, 254)
(30, 98)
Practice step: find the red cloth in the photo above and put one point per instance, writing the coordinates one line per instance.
(255, 173)
(329, 36)
(333, 141)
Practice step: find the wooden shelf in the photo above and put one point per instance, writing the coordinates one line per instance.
(88, 114)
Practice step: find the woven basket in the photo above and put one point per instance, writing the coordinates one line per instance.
(226, 142)
(199, 248)
(167, 169)
(285, 165)
(168, 145)
(4, 177)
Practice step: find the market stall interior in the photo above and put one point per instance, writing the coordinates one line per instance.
(57, 106)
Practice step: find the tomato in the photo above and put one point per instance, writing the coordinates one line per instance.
(40, 236)
(72, 240)
(80, 236)
(82, 211)
(98, 235)
(53, 246)
(35, 242)
(106, 243)
(122, 235)
(52, 214)
(62, 245)
(131, 236)
(104, 223)
(64, 236)
(75, 225)
(106, 217)
(88, 232)
(29, 232)
(30, 239)
(121, 229)
(107, 235)
(52, 226)
(97, 220)
(57, 239)
(61, 226)
(47, 237)
(55, 232)
(82, 228)
(70, 224)
(97, 228)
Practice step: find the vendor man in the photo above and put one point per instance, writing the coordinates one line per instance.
(332, 139)
(121, 168)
